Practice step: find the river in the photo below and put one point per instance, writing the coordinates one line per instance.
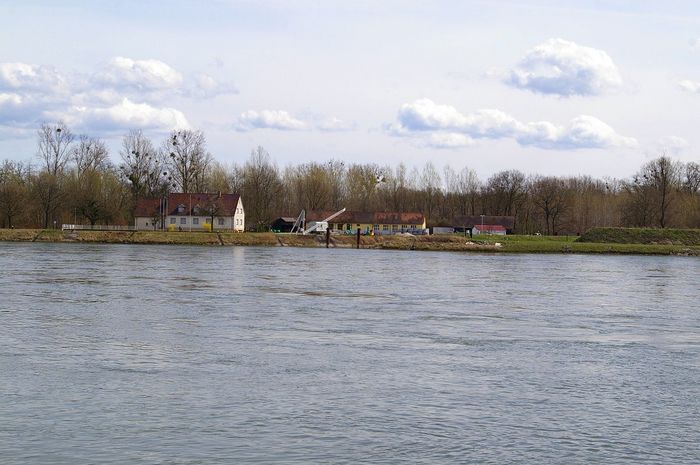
(211, 355)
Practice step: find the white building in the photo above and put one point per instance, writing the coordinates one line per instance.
(191, 212)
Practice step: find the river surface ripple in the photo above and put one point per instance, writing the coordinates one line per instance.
(188, 355)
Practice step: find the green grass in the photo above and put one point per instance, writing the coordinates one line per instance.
(654, 236)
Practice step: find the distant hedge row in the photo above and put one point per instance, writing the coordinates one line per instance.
(642, 236)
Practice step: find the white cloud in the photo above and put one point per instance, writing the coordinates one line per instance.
(333, 124)
(24, 77)
(690, 86)
(694, 43)
(563, 68)
(124, 115)
(30, 94)
(206, 86)
(12, 108)
(443, 122)
(670, 145)
(150, 75)
(448, 140)
(269, 119)
(284, 121)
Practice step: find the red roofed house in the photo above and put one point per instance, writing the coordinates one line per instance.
(489, 229)
(190, 212)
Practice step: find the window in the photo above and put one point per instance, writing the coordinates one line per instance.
(195, 220)
(348, 226)
(395, 227)
(404, 226)
(221, 221)
(375, 227)
(183, 220)
(181, 208)
(413, 226)
(385, 227)
(172, 220)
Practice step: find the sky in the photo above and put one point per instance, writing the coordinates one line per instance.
(546, 87)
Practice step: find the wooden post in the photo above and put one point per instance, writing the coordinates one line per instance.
(328, 237)
(358, 238)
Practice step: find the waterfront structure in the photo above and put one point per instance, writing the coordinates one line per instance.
(191, 212)
(496, 229)
(372, 222)
(283, 224)
(468, 222)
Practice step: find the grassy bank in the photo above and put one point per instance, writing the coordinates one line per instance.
(510, 244)
(651, 236)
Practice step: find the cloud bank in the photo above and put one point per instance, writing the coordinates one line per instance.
(690, 86)
(121, 72)
(283, 121)
(123, 93)
(443, 126)
(563, 68)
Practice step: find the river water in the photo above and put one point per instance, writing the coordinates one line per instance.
(197, 355)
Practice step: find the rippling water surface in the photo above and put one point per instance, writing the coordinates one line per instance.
(189, 355)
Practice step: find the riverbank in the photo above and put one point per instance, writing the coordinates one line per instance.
(509, 244)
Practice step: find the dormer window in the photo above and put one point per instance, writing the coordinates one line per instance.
(196, 209)
(181, 208)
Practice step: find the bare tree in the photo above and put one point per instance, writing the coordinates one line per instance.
(549, 196)
(362, 182)
(143, 167)
(261, 188)
(691, 183)
(468, 187)
(90, 154)
(13, 192)
(653, 188)
(507, 189)
(47, 190)
(54, 146)
(188, 159)
(430, 185)
(218, 179)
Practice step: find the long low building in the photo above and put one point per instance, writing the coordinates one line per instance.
(372, 222)
(191, 212)
(468, 222)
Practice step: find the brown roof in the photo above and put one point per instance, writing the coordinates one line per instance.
(470, 221)
(355, 217)
(226, 204)
(147, 207)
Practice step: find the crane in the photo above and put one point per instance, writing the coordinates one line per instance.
(300, 223)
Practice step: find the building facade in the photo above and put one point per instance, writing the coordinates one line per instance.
(372, 222)
(191, 212)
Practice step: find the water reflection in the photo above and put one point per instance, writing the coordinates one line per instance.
(122, 354)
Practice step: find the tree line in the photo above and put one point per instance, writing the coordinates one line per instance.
(74, 180)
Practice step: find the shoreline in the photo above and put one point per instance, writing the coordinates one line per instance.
(452, 243)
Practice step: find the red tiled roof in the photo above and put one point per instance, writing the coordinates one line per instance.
(225, 203)
(147, 208)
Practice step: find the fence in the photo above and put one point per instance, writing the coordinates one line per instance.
(97, 227)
